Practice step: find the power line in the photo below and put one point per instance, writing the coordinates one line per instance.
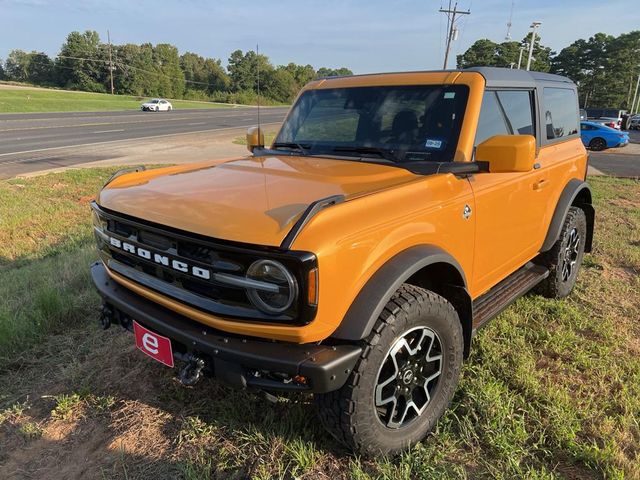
(453, 32)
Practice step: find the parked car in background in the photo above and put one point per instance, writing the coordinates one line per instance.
(607, 122)
(599, 137)
(157, 105)
(583, 114)
(634, 122)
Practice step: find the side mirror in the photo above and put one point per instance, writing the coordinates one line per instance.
(255, 138)
(508, 153)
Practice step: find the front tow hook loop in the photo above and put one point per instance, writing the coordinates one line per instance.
(191, 372)
(106, 315)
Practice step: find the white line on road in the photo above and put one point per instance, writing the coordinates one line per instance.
(131, 139)
(109, 131)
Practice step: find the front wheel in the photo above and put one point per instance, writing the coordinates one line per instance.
(404, 379)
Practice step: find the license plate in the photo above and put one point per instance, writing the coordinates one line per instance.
(156, 346)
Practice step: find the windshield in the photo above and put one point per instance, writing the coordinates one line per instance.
(391, 123)
(155, 100)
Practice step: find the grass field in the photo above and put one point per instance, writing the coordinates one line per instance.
(20, 100)
(268, 138)
(552, 389)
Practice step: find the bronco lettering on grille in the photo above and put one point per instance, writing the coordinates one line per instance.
(160, 259)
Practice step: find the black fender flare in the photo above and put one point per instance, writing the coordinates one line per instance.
(578, 193)
(371, 300)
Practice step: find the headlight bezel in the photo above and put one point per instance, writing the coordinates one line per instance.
(255, 294)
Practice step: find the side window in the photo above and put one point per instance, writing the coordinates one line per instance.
(517, 107)
(491, 121)
(585, 127)
(560, 112)
(505, 112)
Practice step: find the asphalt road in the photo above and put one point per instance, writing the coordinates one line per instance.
(616, 164)
(31, 142)
(26, 137)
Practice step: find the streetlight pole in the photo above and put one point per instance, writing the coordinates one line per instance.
(522, 47)
(534, 28)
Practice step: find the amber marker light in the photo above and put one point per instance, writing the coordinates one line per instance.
(312, 289)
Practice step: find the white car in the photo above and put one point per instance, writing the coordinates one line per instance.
(157, 105)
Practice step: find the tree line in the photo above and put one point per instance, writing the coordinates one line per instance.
(604, 67)
(84, 63)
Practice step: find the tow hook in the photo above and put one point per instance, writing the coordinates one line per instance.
(192, 371)
(106, 316)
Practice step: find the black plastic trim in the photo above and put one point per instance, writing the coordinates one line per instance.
(307, 215)
(326, 367)
(566, 200)
(365, 309)
(123, 171)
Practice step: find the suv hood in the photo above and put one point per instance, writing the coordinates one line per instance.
(251, 200)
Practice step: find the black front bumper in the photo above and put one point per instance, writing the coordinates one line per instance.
(237, 361)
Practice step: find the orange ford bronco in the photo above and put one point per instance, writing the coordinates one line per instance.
(356, 256)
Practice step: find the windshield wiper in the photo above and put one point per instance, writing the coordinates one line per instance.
(381, 152)
(298, 146)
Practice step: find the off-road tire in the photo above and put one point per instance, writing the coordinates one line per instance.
(349, 413)
(597, 144)
(555, 286)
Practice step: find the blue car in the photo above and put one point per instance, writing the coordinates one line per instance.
(598, 137)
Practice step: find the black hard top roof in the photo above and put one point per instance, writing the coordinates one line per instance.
(494, 76)
(508, 77)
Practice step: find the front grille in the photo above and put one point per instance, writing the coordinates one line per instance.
(193, 269)
(190, 253)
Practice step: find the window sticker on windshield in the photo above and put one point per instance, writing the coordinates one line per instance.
(449, 94)
(434, 143)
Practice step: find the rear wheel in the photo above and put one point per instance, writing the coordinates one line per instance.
(597, 144)
(404, 379)
(565, 257)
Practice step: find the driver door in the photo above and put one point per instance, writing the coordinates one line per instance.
(510, 207)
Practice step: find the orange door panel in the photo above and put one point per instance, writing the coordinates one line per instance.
(510, 209)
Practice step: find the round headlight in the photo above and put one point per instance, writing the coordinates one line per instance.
(271, 274)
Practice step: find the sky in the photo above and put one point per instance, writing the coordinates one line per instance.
(363, 35)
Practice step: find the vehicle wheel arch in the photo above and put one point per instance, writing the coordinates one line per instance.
(426, 266)
(576, 193)
(603, 141)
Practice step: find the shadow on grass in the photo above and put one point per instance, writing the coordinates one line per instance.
(51, 348)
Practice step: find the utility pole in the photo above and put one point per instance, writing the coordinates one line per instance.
(110, 62)
(453, 31)
(634, 108)
(522, 47)
(534, 29)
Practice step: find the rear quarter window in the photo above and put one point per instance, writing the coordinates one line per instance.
(560, 112)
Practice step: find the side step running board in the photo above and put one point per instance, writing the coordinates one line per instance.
(490, 304)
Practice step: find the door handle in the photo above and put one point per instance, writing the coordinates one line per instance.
(540, 184)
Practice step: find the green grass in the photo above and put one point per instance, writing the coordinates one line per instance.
(551, 391)
(14, 100)
(269, 137)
